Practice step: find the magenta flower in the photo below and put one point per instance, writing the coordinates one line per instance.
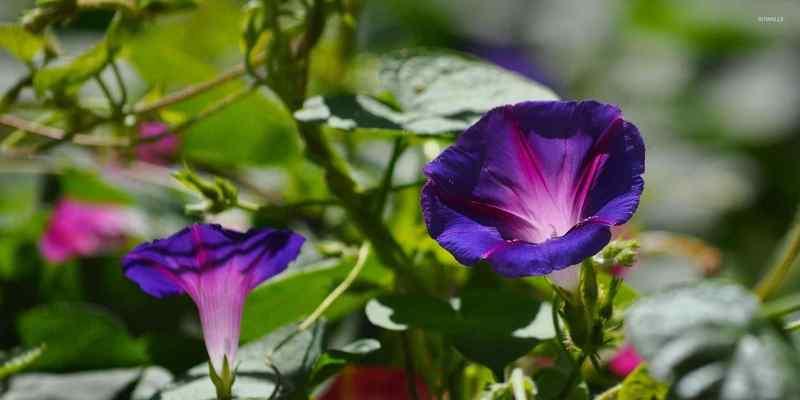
(534, 188)
(159, 146)
(624, 361)
(217, 268)
(79, 229)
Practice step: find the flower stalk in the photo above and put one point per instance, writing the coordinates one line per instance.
(779, 271)
(223, 381)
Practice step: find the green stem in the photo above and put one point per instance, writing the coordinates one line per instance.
(120, 84)
(323, 202)
(386, 183)
(214, 108)
(196, 89)
(781, 307)
(572, 378)
(780, 270)
(344, 189)
(408, 365)
(609, 394)
(115, 110)
(339, 290)
(792, 326)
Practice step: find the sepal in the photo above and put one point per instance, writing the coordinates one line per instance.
(224, 381)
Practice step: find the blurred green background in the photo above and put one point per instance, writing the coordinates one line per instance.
(713, 87)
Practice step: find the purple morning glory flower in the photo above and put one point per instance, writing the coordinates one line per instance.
(217, 268)
(534, 187)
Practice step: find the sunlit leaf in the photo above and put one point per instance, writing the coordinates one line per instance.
(68, 73)
(436, 92)
(639, 385)
(295, 295)
(92, 385)
(20, 43)
(709, 341)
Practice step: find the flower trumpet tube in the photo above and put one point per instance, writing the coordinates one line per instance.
(533, 188)
(217, 268)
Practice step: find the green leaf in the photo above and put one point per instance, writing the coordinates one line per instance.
(159, 6)
(333, 360)
(711, 343)
(20, 43)
(255, 130)
(70, 73)
(263, 134)
(399, 312)
(18, 361)
(639, 385)
(436, 92)
(79, 336)
(124, 5)
(88, 186)
(551, 381)
(254, 379)
(19, 196)
(518, 387)
(492, 326)
(95, 385)
(290, 297)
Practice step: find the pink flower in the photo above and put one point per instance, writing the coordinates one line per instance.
(624, 361)
(159, 145)
(78, 229)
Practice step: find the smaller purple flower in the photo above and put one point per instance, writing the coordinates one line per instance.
(80, 229)
(159, 145)
(217, 268)
(533, 188)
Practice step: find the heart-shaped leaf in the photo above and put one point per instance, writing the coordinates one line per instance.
(493, 326)
(437, 92)
(711, 343)
(79, 336)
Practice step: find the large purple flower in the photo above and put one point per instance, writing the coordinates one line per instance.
(217, 268)
(534, 187)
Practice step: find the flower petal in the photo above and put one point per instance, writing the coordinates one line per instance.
(517, 258)
(264, 253)
(491, 166)
(158, 267)
(567, 139)
(464, 237)
(615, 194)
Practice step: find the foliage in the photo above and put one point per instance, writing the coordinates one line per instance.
(710, 341)
(281, 117)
